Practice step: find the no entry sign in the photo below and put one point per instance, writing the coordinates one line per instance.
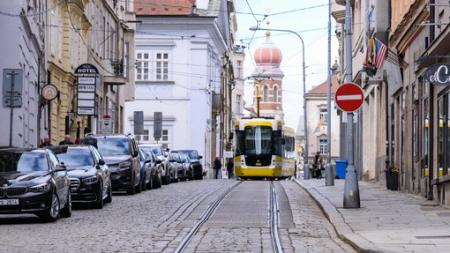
(349, 97)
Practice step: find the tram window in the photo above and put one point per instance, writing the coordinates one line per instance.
(277, 147)
(240, 143)
(258, 140)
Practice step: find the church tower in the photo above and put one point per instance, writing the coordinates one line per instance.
(268, 79)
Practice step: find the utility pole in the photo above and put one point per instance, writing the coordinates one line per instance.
(351, 188)
(329, 175)
(258, 97)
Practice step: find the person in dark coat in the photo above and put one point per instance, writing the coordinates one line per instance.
(318, 166)
(230, 167)
(217, 167)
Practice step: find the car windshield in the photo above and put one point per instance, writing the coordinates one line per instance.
(113, 146)
(25, 162)
(193, 154)
(76, 157)
(155, 150)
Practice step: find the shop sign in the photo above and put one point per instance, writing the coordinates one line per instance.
(438, 74)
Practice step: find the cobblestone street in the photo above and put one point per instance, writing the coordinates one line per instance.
(157, 221)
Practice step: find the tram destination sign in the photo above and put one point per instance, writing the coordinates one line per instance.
(438, 74)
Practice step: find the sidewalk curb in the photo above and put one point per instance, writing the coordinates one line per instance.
(343, 230)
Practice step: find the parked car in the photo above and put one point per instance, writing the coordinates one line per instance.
(146, 170)
(185, 162)
(160, 160)
(195, 163)
(175, 166)
(34, 181)
(121, 154)
(90, 177)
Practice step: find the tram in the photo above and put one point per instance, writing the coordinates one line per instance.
(264, 148)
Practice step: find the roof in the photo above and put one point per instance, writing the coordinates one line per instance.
(175, 8)
(322, 89)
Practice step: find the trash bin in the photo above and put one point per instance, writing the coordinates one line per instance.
(392, 179)
(341, 167)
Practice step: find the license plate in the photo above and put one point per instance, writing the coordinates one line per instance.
(9, 202)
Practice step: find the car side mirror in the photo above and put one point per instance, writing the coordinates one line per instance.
(101, 162)
(60, 167)
(200, 157)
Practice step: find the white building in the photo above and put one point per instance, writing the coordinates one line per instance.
(22, 49)
(179, 63)
(316, 105)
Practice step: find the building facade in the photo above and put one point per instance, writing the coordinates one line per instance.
(100, 33)
(182, 58)
(316, 105)
(22, 63)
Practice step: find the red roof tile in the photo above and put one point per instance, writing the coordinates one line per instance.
(163, 7)
(322, 89)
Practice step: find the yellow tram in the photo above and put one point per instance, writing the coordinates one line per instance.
(264, 148)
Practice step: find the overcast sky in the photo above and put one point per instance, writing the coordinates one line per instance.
(311, 25)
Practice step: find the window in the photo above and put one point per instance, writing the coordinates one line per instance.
(125, 62)
(323, 146)
(323, 115)
(238, 103)
(165, 135)
(275, 94)
(239, 69)
(265, 93)
(162, 66)
(145, 136)
(142, 66)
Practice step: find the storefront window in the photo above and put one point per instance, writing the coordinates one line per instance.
(443, 135)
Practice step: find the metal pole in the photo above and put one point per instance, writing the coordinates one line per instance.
(329, 173)
(11, 106)
(351, 188)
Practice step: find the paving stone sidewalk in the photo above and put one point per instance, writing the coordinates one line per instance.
(388, 221)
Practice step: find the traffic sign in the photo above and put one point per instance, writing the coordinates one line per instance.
(349, 97)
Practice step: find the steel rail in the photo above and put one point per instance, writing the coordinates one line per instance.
(274, 220)
(203, 218)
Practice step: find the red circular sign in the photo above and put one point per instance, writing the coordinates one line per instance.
(349, 97)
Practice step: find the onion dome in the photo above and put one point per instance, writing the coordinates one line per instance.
(268, 54)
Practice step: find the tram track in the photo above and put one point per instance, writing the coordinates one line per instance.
(203, 219)
(274, 213)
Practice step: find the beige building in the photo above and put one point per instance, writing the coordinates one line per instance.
(97, 32)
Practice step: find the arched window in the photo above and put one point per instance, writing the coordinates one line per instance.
(275, 94)
(265, 93)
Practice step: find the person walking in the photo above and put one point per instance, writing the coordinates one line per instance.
(230, 167)
(217, 167)
(66, 141)
(318, 165)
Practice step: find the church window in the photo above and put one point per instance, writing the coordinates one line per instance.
(265, 93)
(275, 94)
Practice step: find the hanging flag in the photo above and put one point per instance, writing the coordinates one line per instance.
(376, 52)
(381, 50)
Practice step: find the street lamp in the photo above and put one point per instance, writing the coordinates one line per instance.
(305, 153)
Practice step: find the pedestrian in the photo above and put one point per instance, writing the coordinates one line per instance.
(318, 165)
(230, 167)
(217, 167)
(66, 141)
(46, 142)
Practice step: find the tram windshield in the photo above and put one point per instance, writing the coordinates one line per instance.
(258, 140)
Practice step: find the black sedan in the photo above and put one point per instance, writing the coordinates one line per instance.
(33, 181)
(90, 178)
(194, 162)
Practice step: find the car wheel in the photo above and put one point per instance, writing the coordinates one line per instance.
(150, 183)
(132, 189)
(52, 214)
(139, 187)
(143, 184)
(159, 180)
(109, 197)
(67, 210)
(99, 203)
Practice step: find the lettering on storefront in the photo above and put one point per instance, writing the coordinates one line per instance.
(439, 74)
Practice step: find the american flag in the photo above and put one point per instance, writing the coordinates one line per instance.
(381, 50)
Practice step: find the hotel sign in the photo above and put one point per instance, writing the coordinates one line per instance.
(87, 75)
(438, 74)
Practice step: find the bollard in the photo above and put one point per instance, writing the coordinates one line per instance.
(306, 171)
(329, 175)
